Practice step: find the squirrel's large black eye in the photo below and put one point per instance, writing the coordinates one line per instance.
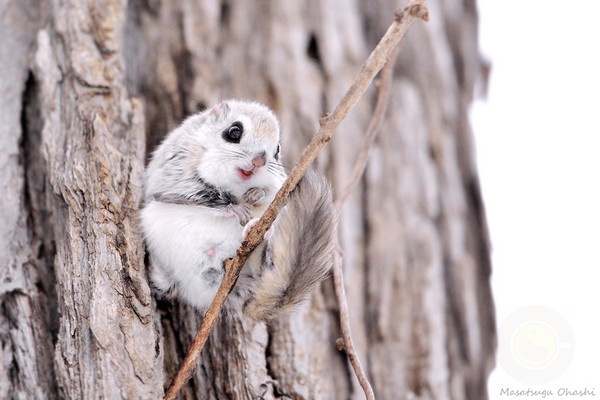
(233, 134)
(276, 155)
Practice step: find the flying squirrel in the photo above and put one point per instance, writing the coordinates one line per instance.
(207, 183)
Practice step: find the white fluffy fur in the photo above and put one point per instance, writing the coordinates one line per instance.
(179, 238)
(185, 241)
(195, 199)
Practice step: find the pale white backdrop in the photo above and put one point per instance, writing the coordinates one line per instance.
(538, 151)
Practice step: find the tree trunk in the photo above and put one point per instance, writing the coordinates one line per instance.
(89, 88)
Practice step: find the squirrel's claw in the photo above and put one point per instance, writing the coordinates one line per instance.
(249, 226)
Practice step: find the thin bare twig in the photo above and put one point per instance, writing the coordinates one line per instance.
(328, 123)
(385, 81)
(383, 96)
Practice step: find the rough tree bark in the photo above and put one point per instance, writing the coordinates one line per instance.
(89, 88)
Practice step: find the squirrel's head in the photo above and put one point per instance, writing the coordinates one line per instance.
(240, 145)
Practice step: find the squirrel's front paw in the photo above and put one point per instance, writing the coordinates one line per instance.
(249, 226)
(241, 212)
(254, 195)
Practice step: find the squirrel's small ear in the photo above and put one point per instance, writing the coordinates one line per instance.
(220, 110)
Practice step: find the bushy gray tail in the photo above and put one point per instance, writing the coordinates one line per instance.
(300, 252)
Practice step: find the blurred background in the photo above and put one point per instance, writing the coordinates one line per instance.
(538, 136)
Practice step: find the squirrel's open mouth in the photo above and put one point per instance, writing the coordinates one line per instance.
(245, 174)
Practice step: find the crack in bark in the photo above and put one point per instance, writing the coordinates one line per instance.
(270, 368)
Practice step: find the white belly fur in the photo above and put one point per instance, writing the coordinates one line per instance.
(188, 245)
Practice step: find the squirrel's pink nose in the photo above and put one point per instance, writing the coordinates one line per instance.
(260, 160)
